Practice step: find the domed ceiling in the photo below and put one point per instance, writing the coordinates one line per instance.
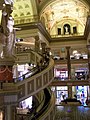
(61, 12)
(52, 12)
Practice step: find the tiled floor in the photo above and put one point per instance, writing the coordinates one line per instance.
(72, 113)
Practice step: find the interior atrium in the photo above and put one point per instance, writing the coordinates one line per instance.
(44, 57)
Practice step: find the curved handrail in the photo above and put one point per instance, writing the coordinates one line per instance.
(43, 109)
(26, 75)
(32, 72)
(34, 114)
(33, 109)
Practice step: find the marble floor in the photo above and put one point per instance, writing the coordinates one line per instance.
(72, 113)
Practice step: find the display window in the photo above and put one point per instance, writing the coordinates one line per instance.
(61, 93)
(27, 103)
(82, 93)
(81, 74)
(62, 74)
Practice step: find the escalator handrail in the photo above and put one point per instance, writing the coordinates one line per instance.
(42, 110)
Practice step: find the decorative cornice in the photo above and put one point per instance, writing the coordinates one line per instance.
(42, 29)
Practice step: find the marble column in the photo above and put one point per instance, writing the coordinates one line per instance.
(73, 73)
(88, 48)
(10, 103)
(88, 93)
(70, 91)
(10, 112)
(68, 63)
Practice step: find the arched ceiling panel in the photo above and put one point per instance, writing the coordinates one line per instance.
(42, 3)
(24, 11)
(64, 9)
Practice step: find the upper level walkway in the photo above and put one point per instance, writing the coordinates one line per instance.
(70, 83)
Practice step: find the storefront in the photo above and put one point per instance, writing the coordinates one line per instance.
(61, 74)
(82, 93)
(61, 92)
(79, 92)
(81, 74)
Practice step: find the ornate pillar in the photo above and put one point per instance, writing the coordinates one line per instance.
(10, 111)
(69, 72)
(10, 104)
(70, 91)
(73, 73)
(68, 63)
(88, 48)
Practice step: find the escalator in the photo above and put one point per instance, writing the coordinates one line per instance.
(34, 115)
